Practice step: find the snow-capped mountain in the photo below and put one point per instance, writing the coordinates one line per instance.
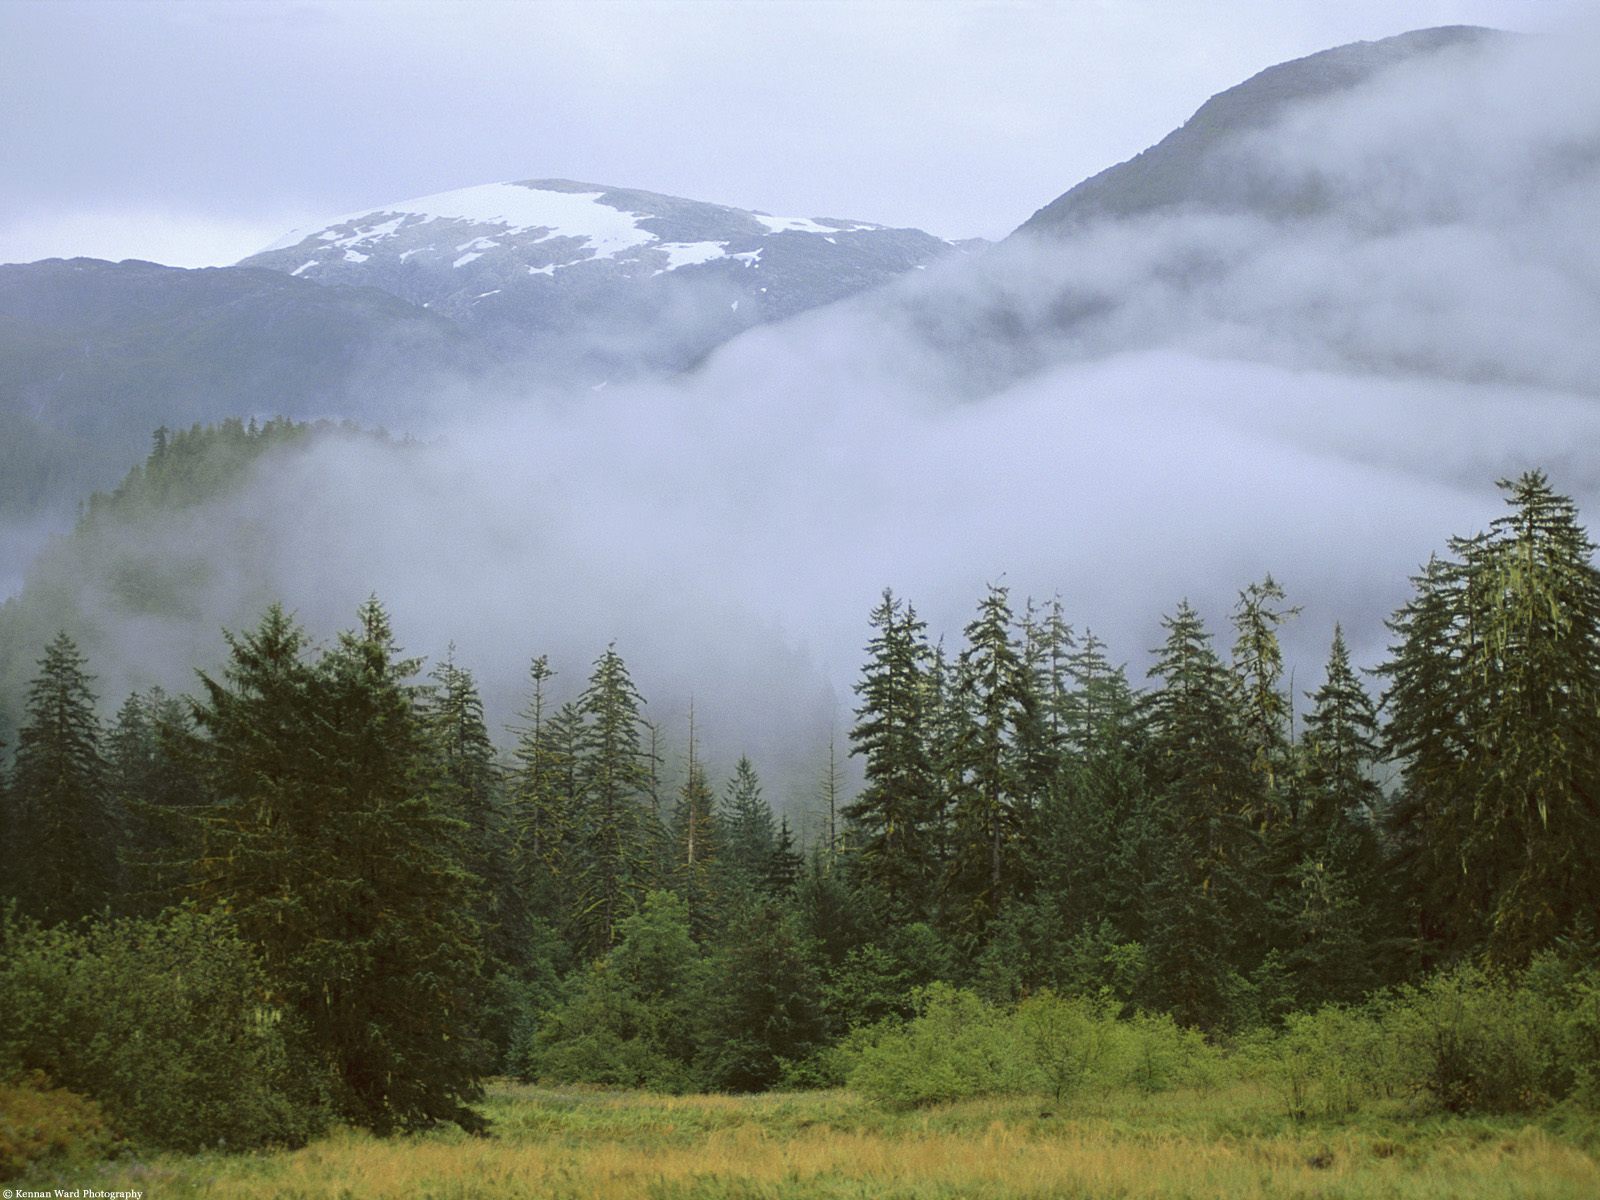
(604, 280)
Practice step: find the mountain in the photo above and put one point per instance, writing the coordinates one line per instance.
(94, 356)
(1191, 166)
(596, 282)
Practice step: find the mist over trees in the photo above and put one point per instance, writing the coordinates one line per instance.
(392, 903)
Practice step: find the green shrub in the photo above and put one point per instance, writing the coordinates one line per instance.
(956, 1047)
(165, 1022)
(1327, 1062)
(1069, 1041)
(1476, 1042)
(1154, 1053)
(40, 1124)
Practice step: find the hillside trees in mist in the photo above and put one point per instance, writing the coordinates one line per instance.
(427, 906)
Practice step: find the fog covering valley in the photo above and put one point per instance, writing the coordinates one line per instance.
(1126, 412)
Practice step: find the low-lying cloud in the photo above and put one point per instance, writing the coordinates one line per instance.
(1146, 411)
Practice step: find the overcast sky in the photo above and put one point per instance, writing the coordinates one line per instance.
(195, 133)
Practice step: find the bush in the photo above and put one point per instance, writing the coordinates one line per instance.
(959, 1047)
(39, 1123)
(164, 1022)
(956, 1047)
(1327, 1062)
(627, 1020)
(1070, 1042)
(1478, 1043)
(1154, 1053)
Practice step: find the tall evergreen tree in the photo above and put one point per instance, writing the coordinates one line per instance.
(1495, 702)
(1203, 902)
(746, 828)
(541, 795)
(696, 853)
(155, 791)
(466, 757)
(785, 863)
(1332, 901)
(890, 817)
(1048, 648)
(997, 755)
(1099, 707)
(1265, 708)
(62, 852)
(613, 834)
(328, 840)
(1341, 743)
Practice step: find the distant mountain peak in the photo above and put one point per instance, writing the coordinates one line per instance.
(1174, 171)
(602, 278)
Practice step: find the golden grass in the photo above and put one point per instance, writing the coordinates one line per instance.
(600, 1146)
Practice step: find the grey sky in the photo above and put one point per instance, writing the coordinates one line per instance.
(194, 133)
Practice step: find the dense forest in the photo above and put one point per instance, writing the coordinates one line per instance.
(318, 890)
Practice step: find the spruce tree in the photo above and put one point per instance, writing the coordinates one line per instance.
(328, 839)
(155, 790)
(997, 757)
(891, 817)
(696, 854)
(466, 757)
(1048, 649)
(612, 833)
(542, 788)
(1098, 707)
(784, 864)
(1341, 743)
(746, 828)
(62, 847)
(1265, 709)
(1331, 905)
(1203, 906)
(1495, 702)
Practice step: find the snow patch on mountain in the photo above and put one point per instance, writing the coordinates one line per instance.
(688, 254)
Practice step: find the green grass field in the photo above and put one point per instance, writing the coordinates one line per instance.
(596, 1145)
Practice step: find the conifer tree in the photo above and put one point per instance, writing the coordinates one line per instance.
(1265, 709)
(1495, 702)
(1342, 743)
(327, 839)
(764, 1006)
(785, 863)
(62, 848)
(696, 854)
(541, 794)
(1098, 707)
(1330, 896)
(155, 792)
(831, 845)
(891, 816)
(613, 836)
(466, 757)
(747, 831)
(1048, 648)
(1202, 901)
(996, 754)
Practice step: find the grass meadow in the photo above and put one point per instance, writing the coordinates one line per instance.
(1230, 1142)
